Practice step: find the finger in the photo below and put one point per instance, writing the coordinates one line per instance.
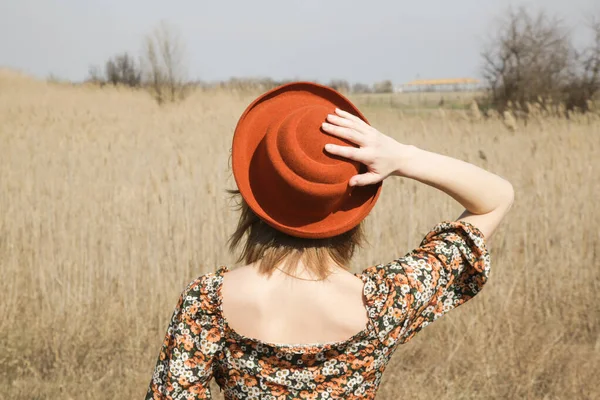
(347, 115)
(339, 121)
(344, 133)
(368, 178)
(349, 152)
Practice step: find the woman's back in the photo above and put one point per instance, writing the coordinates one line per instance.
(283, 309)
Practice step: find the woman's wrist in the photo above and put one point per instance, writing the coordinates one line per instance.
(409, 160)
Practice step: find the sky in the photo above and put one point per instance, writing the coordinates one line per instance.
(360, 41)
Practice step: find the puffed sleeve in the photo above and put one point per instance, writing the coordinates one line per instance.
(185, 362)
(450, 266)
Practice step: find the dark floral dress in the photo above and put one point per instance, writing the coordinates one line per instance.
(450, 266)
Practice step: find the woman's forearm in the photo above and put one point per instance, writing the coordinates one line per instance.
(476, 189)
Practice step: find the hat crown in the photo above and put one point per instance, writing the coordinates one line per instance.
(295, 150)
(282, 170)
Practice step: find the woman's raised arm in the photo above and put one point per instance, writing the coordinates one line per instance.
(486, 197)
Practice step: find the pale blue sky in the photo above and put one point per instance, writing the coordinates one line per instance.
(364, 41)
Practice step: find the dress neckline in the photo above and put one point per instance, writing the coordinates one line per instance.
(285, 347)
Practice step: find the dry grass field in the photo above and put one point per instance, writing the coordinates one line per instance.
(416, 101)
(109, 205)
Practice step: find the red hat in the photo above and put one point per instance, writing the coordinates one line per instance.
(283, 171)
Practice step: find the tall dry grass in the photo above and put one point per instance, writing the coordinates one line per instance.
(109, 205)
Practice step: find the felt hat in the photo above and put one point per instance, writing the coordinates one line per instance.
(283, 171)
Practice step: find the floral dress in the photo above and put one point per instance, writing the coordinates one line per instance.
(450, 266)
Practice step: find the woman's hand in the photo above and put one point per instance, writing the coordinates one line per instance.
(486, 197)
(382, 155)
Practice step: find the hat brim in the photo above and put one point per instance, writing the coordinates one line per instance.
(250, 131)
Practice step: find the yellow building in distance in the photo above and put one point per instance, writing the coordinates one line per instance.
(440, 85)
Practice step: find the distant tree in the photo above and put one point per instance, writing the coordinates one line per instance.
(585, 78)
(164, 64)
(54, 78)
(361, 88)
(95, 75)
(340, 85)
(383, 87)
(122, 70)
(531, 60)
(267, 83)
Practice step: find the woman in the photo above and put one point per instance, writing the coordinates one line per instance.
(294, 323)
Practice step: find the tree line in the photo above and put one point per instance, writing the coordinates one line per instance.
(530, 59)
(160, 69)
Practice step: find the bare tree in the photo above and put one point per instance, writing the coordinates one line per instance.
(528, 59)
(122, 70)
(361, 88)
(95, 75)
(164, 63)
(383, 87)
(340, 85)
(585, 77)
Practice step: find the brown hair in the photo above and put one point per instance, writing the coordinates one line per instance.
(274, 248)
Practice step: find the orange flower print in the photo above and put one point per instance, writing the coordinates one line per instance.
(308, 395)
(213, 335)
(250, 381)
